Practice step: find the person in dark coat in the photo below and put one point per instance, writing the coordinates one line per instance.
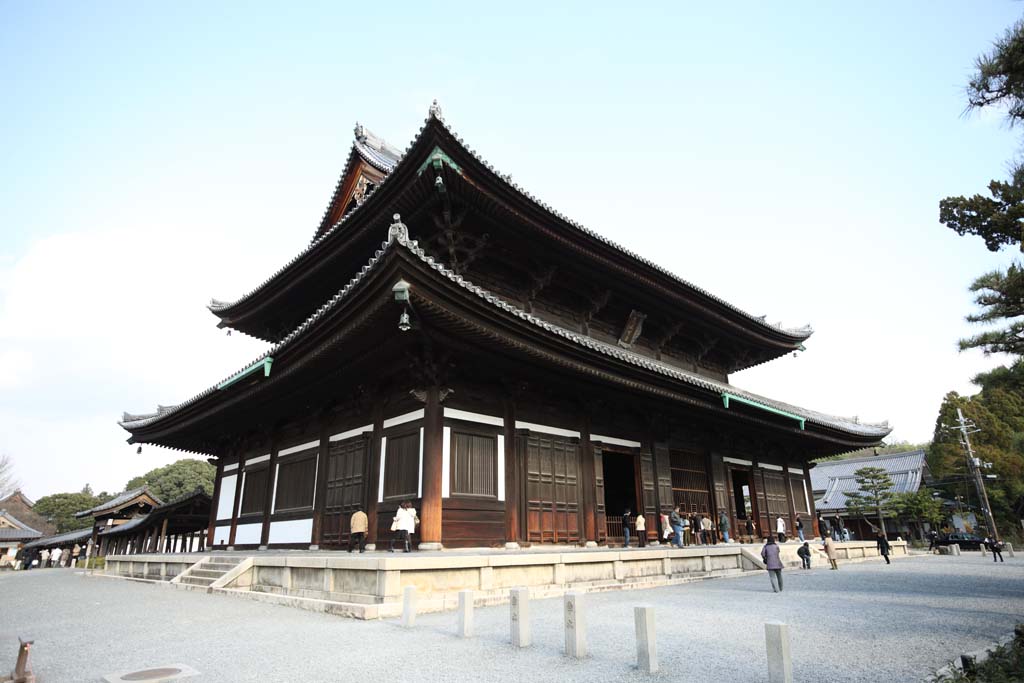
(883, 546)
(933, 536)
(627, 518)
(804, 552)
(997, 549)
(773, 563)
(823, 527)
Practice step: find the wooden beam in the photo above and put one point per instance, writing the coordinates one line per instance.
(268, 500)
(632, 329)
(320, 493)
(212, 527)
(512, 493)
(236, 507)
(588, 479)
(373, 469)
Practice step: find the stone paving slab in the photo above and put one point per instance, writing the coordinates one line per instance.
(866, 622)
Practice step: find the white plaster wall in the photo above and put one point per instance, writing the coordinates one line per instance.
(248, 533)
(227, 497)
(292, 531)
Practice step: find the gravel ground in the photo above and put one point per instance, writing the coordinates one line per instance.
(867, 622)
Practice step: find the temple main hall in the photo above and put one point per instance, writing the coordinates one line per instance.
(447, 338)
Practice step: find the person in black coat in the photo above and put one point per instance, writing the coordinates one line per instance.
(997, 549)
(804, 552)
(627, 518)
(883, 546)
(933, 536)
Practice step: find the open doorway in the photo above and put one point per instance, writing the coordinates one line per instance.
(619, 490)
(743, 504)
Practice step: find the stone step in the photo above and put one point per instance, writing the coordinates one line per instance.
(207, 573)
(197, 580)
(216, 566)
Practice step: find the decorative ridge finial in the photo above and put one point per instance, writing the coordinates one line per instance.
(360, 132)
(398, 231)
(435, 111)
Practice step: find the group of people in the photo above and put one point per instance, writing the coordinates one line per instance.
(403, 525)
(834, 528)
(681, 530)
(41, 558)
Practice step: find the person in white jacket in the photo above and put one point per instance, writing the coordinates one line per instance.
(404, 523)
(780, 529)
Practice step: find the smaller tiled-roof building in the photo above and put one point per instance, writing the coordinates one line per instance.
(119, 510)
(22, 507)
(13, 532)
(834, 479)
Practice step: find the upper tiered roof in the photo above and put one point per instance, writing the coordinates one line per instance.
(345, 238)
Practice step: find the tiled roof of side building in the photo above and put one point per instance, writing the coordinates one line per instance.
(68, 537)
(18, 524)
(834, 479)
(123, 498)
(19, 534)
(216, 305)
(398, 238)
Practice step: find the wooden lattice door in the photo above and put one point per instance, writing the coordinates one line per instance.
(552, 489)
(346, 487)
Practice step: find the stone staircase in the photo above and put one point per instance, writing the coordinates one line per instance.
(207, 571)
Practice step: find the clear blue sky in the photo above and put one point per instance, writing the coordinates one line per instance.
(788, 157)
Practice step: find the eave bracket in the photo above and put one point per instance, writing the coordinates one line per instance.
(251, 370)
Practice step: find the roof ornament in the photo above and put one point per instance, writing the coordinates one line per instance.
(398, 231)
(435, 111)
(360, 132)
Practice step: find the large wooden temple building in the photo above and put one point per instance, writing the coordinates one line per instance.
(449, 339)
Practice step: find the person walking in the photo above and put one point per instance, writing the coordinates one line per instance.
(404, 522)
(44, 558)
(823, 527)
(750, 530)
(19, 557)
(75, 552)
(358, 525)
(55, 556)
(780, 528)
(773, 563)
(800, 528)
(933, 536)
(689, 533)
(627, 517)
(641, 530)
(666, 529)
(804, 552)
(997, 549)
(676, 520)
(830, 550)
(883, 546)
(723, 526)
(837, 527)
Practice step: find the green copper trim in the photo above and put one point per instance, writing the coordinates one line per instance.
(801, 348)
(252, 369)
(438, 158)
(726, 397)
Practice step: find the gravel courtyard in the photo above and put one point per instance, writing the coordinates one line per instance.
(867, 622)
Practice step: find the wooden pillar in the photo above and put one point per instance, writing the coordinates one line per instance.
(163, 535)
(373, 469)
(789, 499)
(809, 492)
(215, 504)
(588, 481)
(513, 497)
(433, 444)
(756, 508)
(320, 491)
(713, 507)
(268, 499)
(236, 507)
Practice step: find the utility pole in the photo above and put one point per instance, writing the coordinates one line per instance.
(966, 428)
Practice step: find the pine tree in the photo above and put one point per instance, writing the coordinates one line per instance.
(875, 494)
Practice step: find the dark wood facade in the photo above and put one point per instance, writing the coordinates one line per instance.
(514, 375)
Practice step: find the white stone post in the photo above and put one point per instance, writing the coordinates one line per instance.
(646, 641)
(519, 611)
(780, 658)
(409, 606)
(466, 614)
(575, 625)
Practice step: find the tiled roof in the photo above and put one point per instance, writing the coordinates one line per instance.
(61, 539)
(7, 534)
(16, 522)
(127, 495)
(132, 523)
(836, 478)
(398, 238)
(434, 114)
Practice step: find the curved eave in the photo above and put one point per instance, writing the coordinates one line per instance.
(674, 379)
(436, 133)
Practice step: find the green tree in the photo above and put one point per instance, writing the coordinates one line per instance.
(874, 497)
(177, 480)
(60, 509)
(1001, 298)
(917, 508)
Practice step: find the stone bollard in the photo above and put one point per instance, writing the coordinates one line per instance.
(466, 614)
(955, 549)
(519, 611)
(780, 659)
(646, 642)
(1008, 549)
(575, 625)
(409, 606)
